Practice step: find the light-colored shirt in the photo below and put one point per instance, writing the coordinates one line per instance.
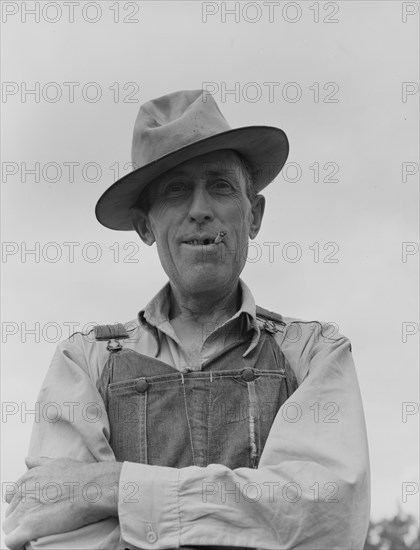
(311, 489)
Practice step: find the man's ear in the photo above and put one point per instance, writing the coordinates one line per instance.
(141, 224)
(257, 213)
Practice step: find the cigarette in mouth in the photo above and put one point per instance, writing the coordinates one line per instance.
(220, 237)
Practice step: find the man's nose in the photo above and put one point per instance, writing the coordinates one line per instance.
(200, 208)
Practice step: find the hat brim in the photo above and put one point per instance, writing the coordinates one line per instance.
(264, 147)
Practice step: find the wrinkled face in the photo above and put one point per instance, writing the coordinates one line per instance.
(189, 206)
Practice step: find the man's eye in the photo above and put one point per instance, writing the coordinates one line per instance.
(222, 186)
(175, 189)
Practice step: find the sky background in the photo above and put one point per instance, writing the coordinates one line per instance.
(338, 93)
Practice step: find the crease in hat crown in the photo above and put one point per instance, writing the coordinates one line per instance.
(177, 127)
(176, 120)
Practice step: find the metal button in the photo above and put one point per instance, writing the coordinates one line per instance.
(141, 385)
(113, 345)
(248, 375)
(270, 327)
(151, 536)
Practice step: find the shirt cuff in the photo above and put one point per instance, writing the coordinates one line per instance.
(148, 507)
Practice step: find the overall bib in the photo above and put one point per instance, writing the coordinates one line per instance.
(220, 414)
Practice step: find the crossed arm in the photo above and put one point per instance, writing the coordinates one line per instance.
(311, 489)
(60, 495)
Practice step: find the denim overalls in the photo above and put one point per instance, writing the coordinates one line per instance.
(219, 414)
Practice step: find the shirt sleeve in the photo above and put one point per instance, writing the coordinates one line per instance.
(73, 423)
(310, 491)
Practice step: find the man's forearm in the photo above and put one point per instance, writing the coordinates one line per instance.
(105, 477)
(85, 493)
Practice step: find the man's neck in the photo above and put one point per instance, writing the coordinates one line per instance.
(204, 309)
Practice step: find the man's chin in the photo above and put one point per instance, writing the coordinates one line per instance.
(205, 278)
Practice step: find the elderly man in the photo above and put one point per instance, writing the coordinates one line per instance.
(208, 421)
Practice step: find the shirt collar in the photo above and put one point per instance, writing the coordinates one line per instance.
(155, 316)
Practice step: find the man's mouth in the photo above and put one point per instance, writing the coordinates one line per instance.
(204, 242)
(200, 242)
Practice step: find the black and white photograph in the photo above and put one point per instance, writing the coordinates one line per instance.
(210, 275)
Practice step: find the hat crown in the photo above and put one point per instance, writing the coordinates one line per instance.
(173, 121)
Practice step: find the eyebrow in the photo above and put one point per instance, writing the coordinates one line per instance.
(218, 172)
(175, 173)
(209, 172)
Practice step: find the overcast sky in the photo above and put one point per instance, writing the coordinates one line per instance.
(344, 89)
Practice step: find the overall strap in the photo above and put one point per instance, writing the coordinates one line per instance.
(111, 332)
(272, 322)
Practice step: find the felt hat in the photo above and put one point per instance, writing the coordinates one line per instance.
(175, 128)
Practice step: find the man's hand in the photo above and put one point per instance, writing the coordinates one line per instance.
(59, 495)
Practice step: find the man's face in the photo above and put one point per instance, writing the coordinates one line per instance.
(189, 206)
